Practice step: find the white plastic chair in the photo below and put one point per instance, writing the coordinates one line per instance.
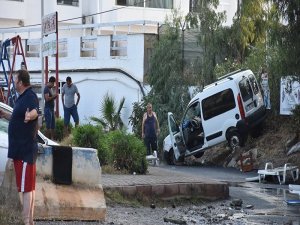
(280, 172)
(153, 159)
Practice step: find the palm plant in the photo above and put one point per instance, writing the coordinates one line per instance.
(111, 114)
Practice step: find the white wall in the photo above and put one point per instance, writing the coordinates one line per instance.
(230, 7)
(138, 13)
(94, 85)
(13, 10)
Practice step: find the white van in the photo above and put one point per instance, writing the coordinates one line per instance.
(226, 110)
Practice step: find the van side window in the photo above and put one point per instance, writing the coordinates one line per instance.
(253, 83)
(246, 89)
(217, 104)
(193, 111)
(174, 126)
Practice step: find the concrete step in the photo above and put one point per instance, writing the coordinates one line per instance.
(69, 202)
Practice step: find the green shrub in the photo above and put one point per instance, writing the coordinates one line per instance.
(127, 152)
(296, 119)
(86, 135)
(59, 129)
(104, 150)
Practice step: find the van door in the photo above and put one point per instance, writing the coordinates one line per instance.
(249, 94)
(219, 113)
(192, 129)
(176, 137)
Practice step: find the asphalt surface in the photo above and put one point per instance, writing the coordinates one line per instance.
(268, 200)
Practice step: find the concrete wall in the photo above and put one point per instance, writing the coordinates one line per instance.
(85, 165)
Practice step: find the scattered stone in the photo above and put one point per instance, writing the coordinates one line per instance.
(249, 206)
(236, 203)
(222, 215)
(289, 223)
(173, 206)
(230, 213)
(152, 206)
(194, 220)
(292, 141)
(175, 221)
(295, 148)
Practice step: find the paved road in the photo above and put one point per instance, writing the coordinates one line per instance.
(230, 175)
(268, 199)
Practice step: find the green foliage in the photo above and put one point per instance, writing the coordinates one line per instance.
(136, 117)
(288, 36)
(87, 135)
(127, 152)
(169, 86)
(226, 67)
(105, 149)
(296, 119)
(111, 114)
(59, 129)
(210, 37)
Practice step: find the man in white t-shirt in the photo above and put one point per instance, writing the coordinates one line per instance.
(70, 107)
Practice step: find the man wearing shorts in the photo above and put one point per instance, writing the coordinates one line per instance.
(49, 107)
(150, 129)
(70, 108)
(22, 139)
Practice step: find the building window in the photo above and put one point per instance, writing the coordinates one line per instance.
(62, 47)
(162, 4)
(88, 46)
(118, 45)
(32, 48)
(68, 2)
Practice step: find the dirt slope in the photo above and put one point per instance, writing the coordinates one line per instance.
(270, 146)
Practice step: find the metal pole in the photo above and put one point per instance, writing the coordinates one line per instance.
(42, 59)
(56, 60)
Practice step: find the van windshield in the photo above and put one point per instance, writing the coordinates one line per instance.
(246, 89)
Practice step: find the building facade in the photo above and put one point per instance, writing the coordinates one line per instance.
(105, 46)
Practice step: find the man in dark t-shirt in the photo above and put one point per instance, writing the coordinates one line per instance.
(49, 108)
(22, 139)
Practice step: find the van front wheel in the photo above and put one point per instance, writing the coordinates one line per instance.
(169, 157)
(234, 140)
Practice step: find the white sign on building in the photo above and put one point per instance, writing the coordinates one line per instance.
(49, 45)
(49, 24)
(49, 30)
(289, 94)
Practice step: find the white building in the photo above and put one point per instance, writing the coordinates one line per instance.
(104, 46)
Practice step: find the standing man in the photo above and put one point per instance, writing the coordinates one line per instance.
(265, 87)
(22, 139)
(49, 107)
(150, 129)
(70, 108)
(2, 95)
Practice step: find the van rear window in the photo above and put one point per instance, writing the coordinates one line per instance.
(246, 89)
(254, 83)
(217, 104)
